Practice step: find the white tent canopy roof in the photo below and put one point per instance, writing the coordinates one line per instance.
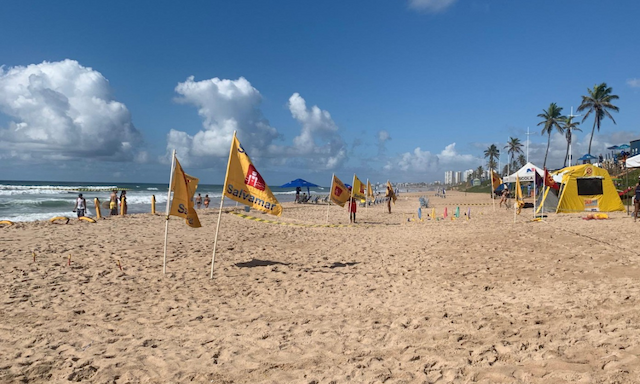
(525, 173)
(633, 162)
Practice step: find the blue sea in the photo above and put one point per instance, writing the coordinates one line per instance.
(42, 200)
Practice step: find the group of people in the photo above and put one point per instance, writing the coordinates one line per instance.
(352, 205)
(80, 207)
(199, 200)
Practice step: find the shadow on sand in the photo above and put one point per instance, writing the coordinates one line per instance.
(259, 263)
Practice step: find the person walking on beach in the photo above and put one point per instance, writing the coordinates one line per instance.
(198, 201)
(113, 203)
(298, 190)
(636, 201)
(81, 206)
(389, 197)
(505, 198)
(123, 202)
(353, 206)
(207, 200)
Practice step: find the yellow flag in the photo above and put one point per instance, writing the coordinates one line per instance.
(519, 198)
(359, 188)
(244, 183)
(495, 180)
(369, 191)
(184, 187)
(339, 192)
(391, 193)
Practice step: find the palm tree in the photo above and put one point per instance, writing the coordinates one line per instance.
(568, 125)
(599, 102)
(522, 161)
(492, 153)
(513, 147)
(479, 172)
(492, 164)
(552, 118)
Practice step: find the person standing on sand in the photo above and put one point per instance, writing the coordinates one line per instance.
(636, 201)
(123, 202)
(352, 206)
(207, 200)
(298, 190)
(81, 205)
(198, 201)
(113, 203)
(389, 196)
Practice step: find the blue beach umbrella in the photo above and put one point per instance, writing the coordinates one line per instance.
(587, 157)
(299, 183)
(624, 146)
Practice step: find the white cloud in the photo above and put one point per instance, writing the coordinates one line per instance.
(633, 83)
(432, 6)
(317, 127)
(225, 106)
(62, 110)
(421, 165)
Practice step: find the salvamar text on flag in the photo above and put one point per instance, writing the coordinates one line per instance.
(184, 187)
(519, 197)
(359, 189)
(339, 192)
(244, 183)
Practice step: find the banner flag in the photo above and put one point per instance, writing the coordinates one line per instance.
(369, 191)
(184, 187)
(390, 193)
(339, 192)
(359, 189)
(495, 180)
(519, 197)
(245, 185)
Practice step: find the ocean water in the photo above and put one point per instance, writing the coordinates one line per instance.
(38, 200)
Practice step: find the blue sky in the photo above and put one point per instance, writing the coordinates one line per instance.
(400, 90)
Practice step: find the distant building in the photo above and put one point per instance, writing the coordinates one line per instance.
(457, 177)
(448, 178)
(635, 147)
(466, 175)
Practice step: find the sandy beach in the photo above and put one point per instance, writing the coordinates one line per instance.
(453, 301)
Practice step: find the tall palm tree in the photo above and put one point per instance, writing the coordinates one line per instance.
(598, 101)
(479, 172)
(513, 147)
(552, 118)
(522, 160)
(568, 125)
(492, 164)
(492, 153)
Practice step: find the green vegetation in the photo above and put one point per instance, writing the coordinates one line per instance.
(598, 101)
(552, 118)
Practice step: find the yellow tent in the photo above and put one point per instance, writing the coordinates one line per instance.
(583, 188)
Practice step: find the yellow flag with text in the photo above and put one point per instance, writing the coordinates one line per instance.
(244, 183)
(184, 187)
(359, 188)
(369, 190)
(339, 192)
(390, 193)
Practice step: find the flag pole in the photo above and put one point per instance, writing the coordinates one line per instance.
(166, 225)
(353, 188)
(366, 197)
(493, 200)
(333, 175)
(226, 176)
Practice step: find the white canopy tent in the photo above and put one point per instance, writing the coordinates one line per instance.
(525, 173)
(633, 162)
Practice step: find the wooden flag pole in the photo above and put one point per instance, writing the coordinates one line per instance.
(493, 200)
(353, 188)
(215, 239)
(166, 225)
(330, 194)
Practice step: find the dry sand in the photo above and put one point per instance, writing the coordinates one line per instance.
(481, 300)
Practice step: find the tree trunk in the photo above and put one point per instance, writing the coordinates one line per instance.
(547, 152)
(593, 130)
(566, 156)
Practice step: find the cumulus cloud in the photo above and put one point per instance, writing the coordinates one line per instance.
(431, 6)
(224, 106)
(633, 83)
(420, 164)
(62, 110)
(319, 141)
